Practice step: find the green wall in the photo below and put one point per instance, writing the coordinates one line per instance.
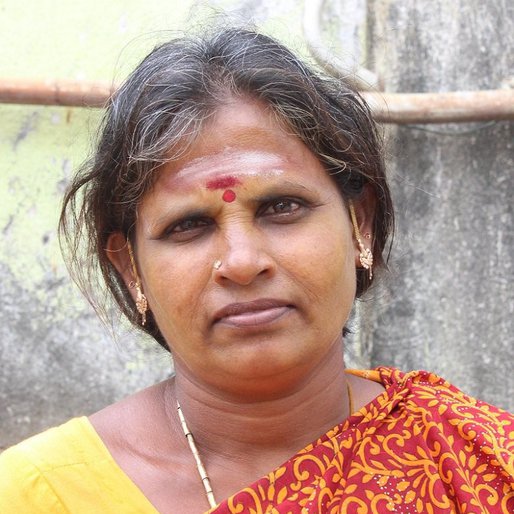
(41, 146)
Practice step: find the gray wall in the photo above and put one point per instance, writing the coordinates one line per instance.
(447, 304)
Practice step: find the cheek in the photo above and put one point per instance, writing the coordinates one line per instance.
(338, 271)
(174, 290)
(323, 264)
(337, 280)
(330, 249)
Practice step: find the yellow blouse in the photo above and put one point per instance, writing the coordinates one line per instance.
(67, 469)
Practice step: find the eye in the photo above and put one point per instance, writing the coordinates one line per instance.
(284, 209)
(187, 225)
(187, 229)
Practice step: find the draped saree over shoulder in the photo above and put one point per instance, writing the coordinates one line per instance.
(421, 447)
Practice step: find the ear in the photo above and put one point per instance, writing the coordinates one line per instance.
(364, 207)
(117, 253)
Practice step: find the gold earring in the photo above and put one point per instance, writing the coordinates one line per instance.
(365, 255)
(141, 301)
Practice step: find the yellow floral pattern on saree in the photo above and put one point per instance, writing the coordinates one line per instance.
(422, 446)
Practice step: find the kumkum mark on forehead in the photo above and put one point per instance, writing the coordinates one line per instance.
(228, 196)
(223, 182)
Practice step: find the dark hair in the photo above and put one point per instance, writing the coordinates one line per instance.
(161, 107)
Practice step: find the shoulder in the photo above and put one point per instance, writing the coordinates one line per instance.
(424, 438)
(425, 395)
(124, 424)
(452, 423)
(439, 400)
(26, 469)
(66, 469)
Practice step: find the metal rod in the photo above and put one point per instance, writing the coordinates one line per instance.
(63, 92)
(455, 107)
(399, 108)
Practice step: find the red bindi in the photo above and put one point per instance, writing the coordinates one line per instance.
(223, 183)
(228, 196)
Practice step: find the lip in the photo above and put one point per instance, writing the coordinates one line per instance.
(254, 313)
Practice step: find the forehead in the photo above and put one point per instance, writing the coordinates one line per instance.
(243, 138)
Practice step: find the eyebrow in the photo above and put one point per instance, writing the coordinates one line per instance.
(284, 188)
(183, 213)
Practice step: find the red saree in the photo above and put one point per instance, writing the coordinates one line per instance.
(421, 446)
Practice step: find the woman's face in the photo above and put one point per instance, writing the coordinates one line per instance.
(256, 199)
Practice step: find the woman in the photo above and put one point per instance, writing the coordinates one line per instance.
(236, 206)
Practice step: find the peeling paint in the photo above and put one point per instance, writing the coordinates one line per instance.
(7, 226)
(28, 126)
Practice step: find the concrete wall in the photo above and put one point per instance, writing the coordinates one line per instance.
(448, 303)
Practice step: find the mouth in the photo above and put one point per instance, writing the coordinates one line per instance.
(252, 314)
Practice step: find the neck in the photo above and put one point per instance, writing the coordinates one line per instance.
(228, 428)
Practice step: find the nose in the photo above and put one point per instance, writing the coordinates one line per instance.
(245, 257)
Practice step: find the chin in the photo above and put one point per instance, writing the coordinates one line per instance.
(263, 372)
